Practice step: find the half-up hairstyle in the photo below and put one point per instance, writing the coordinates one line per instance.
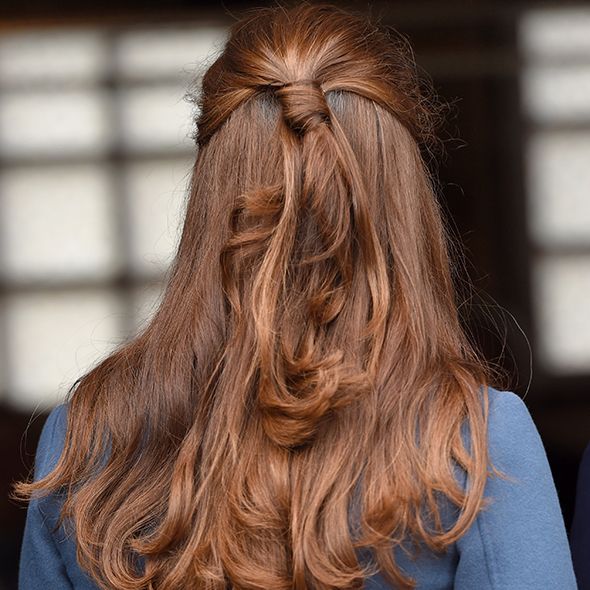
(306, 362)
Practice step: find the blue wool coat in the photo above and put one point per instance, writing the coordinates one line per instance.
(518, 542)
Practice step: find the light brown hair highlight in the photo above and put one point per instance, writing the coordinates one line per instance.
(305, 388)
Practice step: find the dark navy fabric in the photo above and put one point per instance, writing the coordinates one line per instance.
(518, 542)
(580, 532)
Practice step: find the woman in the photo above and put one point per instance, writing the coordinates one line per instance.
(303, 411)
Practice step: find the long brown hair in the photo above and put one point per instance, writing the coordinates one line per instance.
(307, 357)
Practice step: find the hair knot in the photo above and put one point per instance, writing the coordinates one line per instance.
(304, 104)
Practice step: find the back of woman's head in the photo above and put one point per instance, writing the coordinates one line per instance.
(302, 389)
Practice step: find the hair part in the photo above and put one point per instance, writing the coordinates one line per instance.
(302, 391)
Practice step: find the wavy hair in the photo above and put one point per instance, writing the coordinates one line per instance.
(307, 361)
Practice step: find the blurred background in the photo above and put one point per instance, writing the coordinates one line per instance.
(95, 156)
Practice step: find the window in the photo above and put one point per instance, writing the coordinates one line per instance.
(555, 45)
(95, 157)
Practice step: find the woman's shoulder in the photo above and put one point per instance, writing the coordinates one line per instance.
(515, 445)
(520, 535)
(506, 406)
(48, 551)
(512, 433)
(51, 440)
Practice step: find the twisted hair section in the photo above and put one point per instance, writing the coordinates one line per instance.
(297, 409)
(304, 104)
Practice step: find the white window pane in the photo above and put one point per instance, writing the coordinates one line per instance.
(146, 299)
(57, 223)
(559, 187)
(50, 56)
(561, 287)
(157, 195)
(53, 123)
(557, 93)
(156, 118)
(54, 337)
(162, 52)
(556, 31)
